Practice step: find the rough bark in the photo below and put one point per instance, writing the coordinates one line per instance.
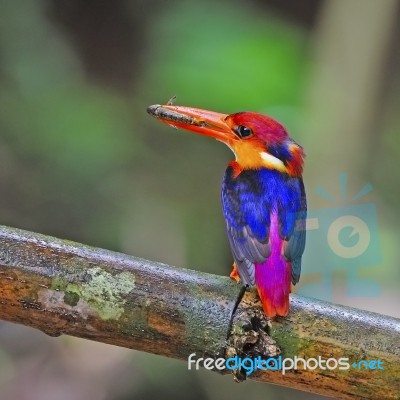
(61, 287)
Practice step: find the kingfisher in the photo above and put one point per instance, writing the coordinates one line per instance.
(263, 197)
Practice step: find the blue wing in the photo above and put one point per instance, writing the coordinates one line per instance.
(248, 201)
(293, 248)
(247, 222)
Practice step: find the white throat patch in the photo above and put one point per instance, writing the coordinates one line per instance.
(272, 162)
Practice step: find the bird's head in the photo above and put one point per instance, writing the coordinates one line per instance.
(257, 140)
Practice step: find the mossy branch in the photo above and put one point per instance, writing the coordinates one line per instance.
(61, 287)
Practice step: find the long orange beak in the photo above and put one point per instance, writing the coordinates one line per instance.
(208, 123)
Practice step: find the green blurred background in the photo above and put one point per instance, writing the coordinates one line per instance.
(80, 158)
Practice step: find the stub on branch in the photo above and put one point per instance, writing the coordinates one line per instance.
(250, 335)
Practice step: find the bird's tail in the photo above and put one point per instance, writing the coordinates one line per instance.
(273, 276)
(273, 286)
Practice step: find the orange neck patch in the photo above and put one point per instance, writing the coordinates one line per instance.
(252, 155)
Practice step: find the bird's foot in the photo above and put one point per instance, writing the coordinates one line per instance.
(234, 274)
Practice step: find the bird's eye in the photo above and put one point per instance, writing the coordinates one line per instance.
(243, 131)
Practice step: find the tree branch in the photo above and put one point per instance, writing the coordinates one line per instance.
(61, 287)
